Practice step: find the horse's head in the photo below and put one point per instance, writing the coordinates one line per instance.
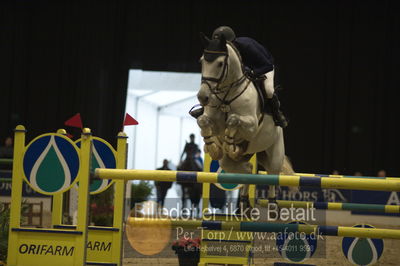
(218, 66)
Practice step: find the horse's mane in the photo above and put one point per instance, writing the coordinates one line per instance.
(237, 53)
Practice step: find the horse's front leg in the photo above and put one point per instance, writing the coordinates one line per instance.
(212, 144)
(238, 129)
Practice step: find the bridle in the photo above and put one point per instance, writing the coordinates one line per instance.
(224, 104)
(223, 74)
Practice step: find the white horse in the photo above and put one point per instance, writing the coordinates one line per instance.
(232, 125)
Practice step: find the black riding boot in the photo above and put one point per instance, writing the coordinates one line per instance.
(196, 112)
(279, 118)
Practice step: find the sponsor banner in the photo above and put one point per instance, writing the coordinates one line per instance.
(307, 194)
(376, 197)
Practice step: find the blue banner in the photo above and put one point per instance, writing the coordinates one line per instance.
(376, 197)
(308, 194)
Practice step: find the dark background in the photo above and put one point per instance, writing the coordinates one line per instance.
(338, 64)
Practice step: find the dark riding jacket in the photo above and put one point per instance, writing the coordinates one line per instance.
(254, 55)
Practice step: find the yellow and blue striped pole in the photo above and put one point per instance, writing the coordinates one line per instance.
(257, 179)
(333, 206)
(323, 230)
(335, 176)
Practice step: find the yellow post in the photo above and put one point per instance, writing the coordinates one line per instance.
(206, 186)
(83, 196)
(119, 199)
(252, 188)
(56, 212)
(16, 191)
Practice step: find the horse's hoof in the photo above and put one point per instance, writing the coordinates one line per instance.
(206, 132)
(214, 151)
(230, 132)
(229, 140)
(233, 121)
(234, 151)
(235, 157)
(228, 147)
(205, 148)
(203, 121)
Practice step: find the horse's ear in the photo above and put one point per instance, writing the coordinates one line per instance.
(204, 40)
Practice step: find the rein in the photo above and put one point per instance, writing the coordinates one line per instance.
(225, 104)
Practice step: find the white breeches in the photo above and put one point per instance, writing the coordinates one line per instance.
(269, 84)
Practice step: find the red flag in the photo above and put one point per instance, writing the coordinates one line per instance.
(74, 121)
(129, 120)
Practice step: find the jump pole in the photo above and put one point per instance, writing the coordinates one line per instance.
(341, 231)
(333, 206)
(278, 180)
(335, 176)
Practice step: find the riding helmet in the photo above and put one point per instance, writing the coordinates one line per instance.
(225, 31)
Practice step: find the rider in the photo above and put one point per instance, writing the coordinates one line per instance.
(259, 64)
(191, 149)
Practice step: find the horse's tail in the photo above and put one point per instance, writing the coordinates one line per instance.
(287, 168)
